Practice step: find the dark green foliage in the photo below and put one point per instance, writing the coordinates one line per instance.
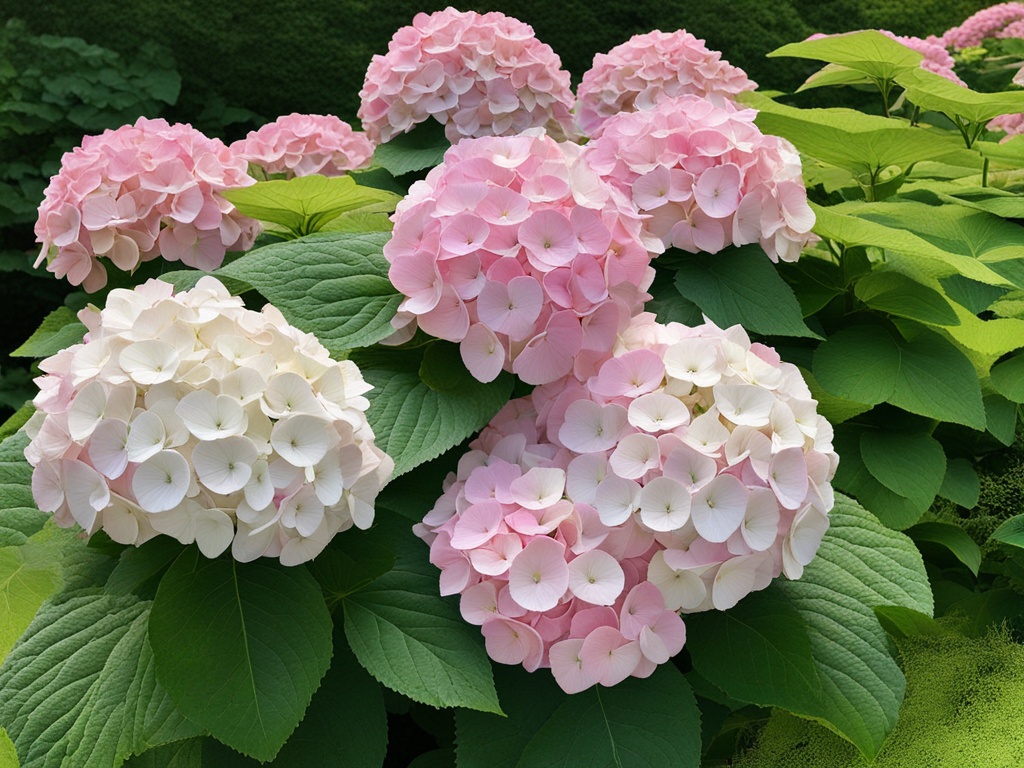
(962, 708)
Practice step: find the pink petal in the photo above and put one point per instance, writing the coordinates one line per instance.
(512, 642)
(539, 575)
(482, 353)
(608, 657)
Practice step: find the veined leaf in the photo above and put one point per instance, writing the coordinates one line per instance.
(897, 294)
(1008, 377)
(415, 422)
(867, 51)
(332, 285)
(59, 330)
(926, 375)
(935, 93)
(413, 640)
(80, 687)
(740, 285)
(29, 574)
(304, 204)
(902, 622)
(862, 144)
(909, 465)
(423, 147)
(240, 647)
(637, 722)
(19, 517)
(1011, 532)
(953, 538)
(961, 484)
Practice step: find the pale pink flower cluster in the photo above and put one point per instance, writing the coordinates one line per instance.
(303, 145)
(998, 21)
(650, 67)
(191, 416)
(690, 470)
(706, 177)
(519, 252)
(142, 191)
(477, 74)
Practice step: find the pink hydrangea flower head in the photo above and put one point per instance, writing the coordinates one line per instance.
(191, 416)
(996, 21)
(142, 191)
(303, 145)
(519, 252)
(650, 67)
(476, 74)
(706, 177)
(690, 470)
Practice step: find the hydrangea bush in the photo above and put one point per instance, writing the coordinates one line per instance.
(572, 404)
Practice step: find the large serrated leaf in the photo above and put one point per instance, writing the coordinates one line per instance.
(240, 648)
(28, 576)
(333, 285)
(740, 286)
(651, 722)
(861, 564)
(413, 421)
(413, 640)
(19, 517)
(911, 465)
(80, 687)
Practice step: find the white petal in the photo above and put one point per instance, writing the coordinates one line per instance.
(591, 428)
(717, 509)
(616, 499)
(635, 456)
(664, 505)
(160, 482)
(108, 447)
(658, 412)
(596, 577)
(146, 437)
(224, 466)
(301, 440)
(149, 362)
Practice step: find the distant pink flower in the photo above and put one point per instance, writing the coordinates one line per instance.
(521, 254)
(476, 74)
(142, 191)
(1011, 125)
(302, 145)
(1002, 20)
(706, 177)
(690, 470)
(648, 68)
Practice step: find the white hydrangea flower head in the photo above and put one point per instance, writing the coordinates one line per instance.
(189, 415)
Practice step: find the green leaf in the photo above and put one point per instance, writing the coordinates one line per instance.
(897, 294)
(900, 622)
(862, 144)
(80, 687)
(413, 640)
(345, 724)
(138, 567)
(861, 565)
(334, 286)
(180, 754)
(835, 409)
(970, 294)
(306, 203)
(1011, 532)
(17, 420)
(240, 647)
(28, 576)
(1008, 378)
(19, 517)
(854, 478)
(961, 484)
(834, 74)
(759, 651)
(933, 92)
(635, 723)
(350, 563)
(186, 279)
(867, 51)
(422, 148)
(926, 375)
(59, 330)
(8, 754)
(414, 422)
(740, 285)
(1001, 418)
(953, 538)
(910, 465)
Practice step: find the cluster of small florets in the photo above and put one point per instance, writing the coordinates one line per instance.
(142, 191)
(707, 177)
(649, 68)
(690, 470)
(189, 415)
(477, 74)
(520, 253)
(303, 145)
(997, 21)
